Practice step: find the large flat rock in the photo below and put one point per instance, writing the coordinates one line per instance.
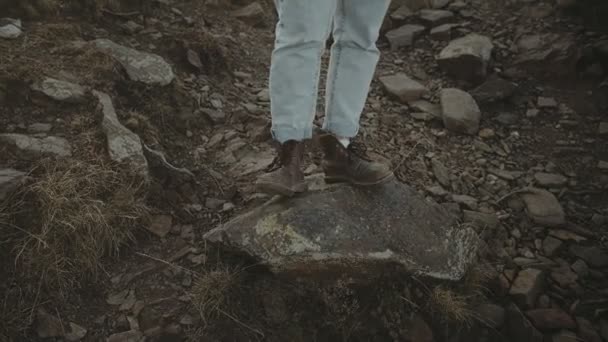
(348, 229)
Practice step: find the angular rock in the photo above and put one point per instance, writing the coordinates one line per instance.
(404, 35)
(550, 180)
(551, 245)
(507, 118)
(564, 277)
(347, 229)
(460, 111)
(553, 51)
(467, 58)
(434, 17)
(494, 89)
(543, 207)
(481, 220)
(519, 327)
(593, 255)
(426, 107)
(61, 90)
(442, 32)
(251, 13)
(48, 325)
(123, 145)
(38, 146)
(566, 235)
(403, 87)
(422, 116)
(602, 165)
(39, 128)
(143, 67)
(10, 180)
(252, 163)
(437, 190)
(553, 318)
(441, 172)
(492, 315)
(401, 13)
(546, 102)
(467, 201)
(10, 28)
(126, 336)
(527, 287)
(581, 268)
(76, 333)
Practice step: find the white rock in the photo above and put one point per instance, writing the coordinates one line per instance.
(467, 58)
(460, 111)
(10, 28)
(143, 67)
(38, 146)
(403, 87)
(61, 90)
(123, 145)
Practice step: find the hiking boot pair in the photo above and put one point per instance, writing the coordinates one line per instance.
(340, 164)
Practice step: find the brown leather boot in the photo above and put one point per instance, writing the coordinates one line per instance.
(288, 180)
(343, 164)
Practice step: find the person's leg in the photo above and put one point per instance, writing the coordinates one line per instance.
(353, 61)
(301, 34)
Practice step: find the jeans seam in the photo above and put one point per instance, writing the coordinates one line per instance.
(338, 57)
(317, 75)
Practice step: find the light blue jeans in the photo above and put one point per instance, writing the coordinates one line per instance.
(301, 35)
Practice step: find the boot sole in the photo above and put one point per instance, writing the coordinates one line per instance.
(338, 179)
(274, 189)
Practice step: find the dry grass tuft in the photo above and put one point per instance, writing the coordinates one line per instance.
(71, 216)
(211, 291)
(478, 278)
(448, 305)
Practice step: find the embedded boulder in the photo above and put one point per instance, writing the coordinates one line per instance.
(141, 66)
(123, 145)
(467, 58)
(353, 230)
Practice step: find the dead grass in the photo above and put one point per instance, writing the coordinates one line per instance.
(449, 305)
(72, 216)
(49, 51)
(211, 291)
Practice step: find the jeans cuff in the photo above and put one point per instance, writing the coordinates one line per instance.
(286, 133)
(343, 130)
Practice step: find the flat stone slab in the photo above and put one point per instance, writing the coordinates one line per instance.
(346, 229)
(141, 66)
(35, 147)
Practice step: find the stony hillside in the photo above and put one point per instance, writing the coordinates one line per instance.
(129, 129)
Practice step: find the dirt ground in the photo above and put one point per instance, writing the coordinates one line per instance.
(214, 116)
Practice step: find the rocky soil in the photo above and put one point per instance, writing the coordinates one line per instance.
(143, 128)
